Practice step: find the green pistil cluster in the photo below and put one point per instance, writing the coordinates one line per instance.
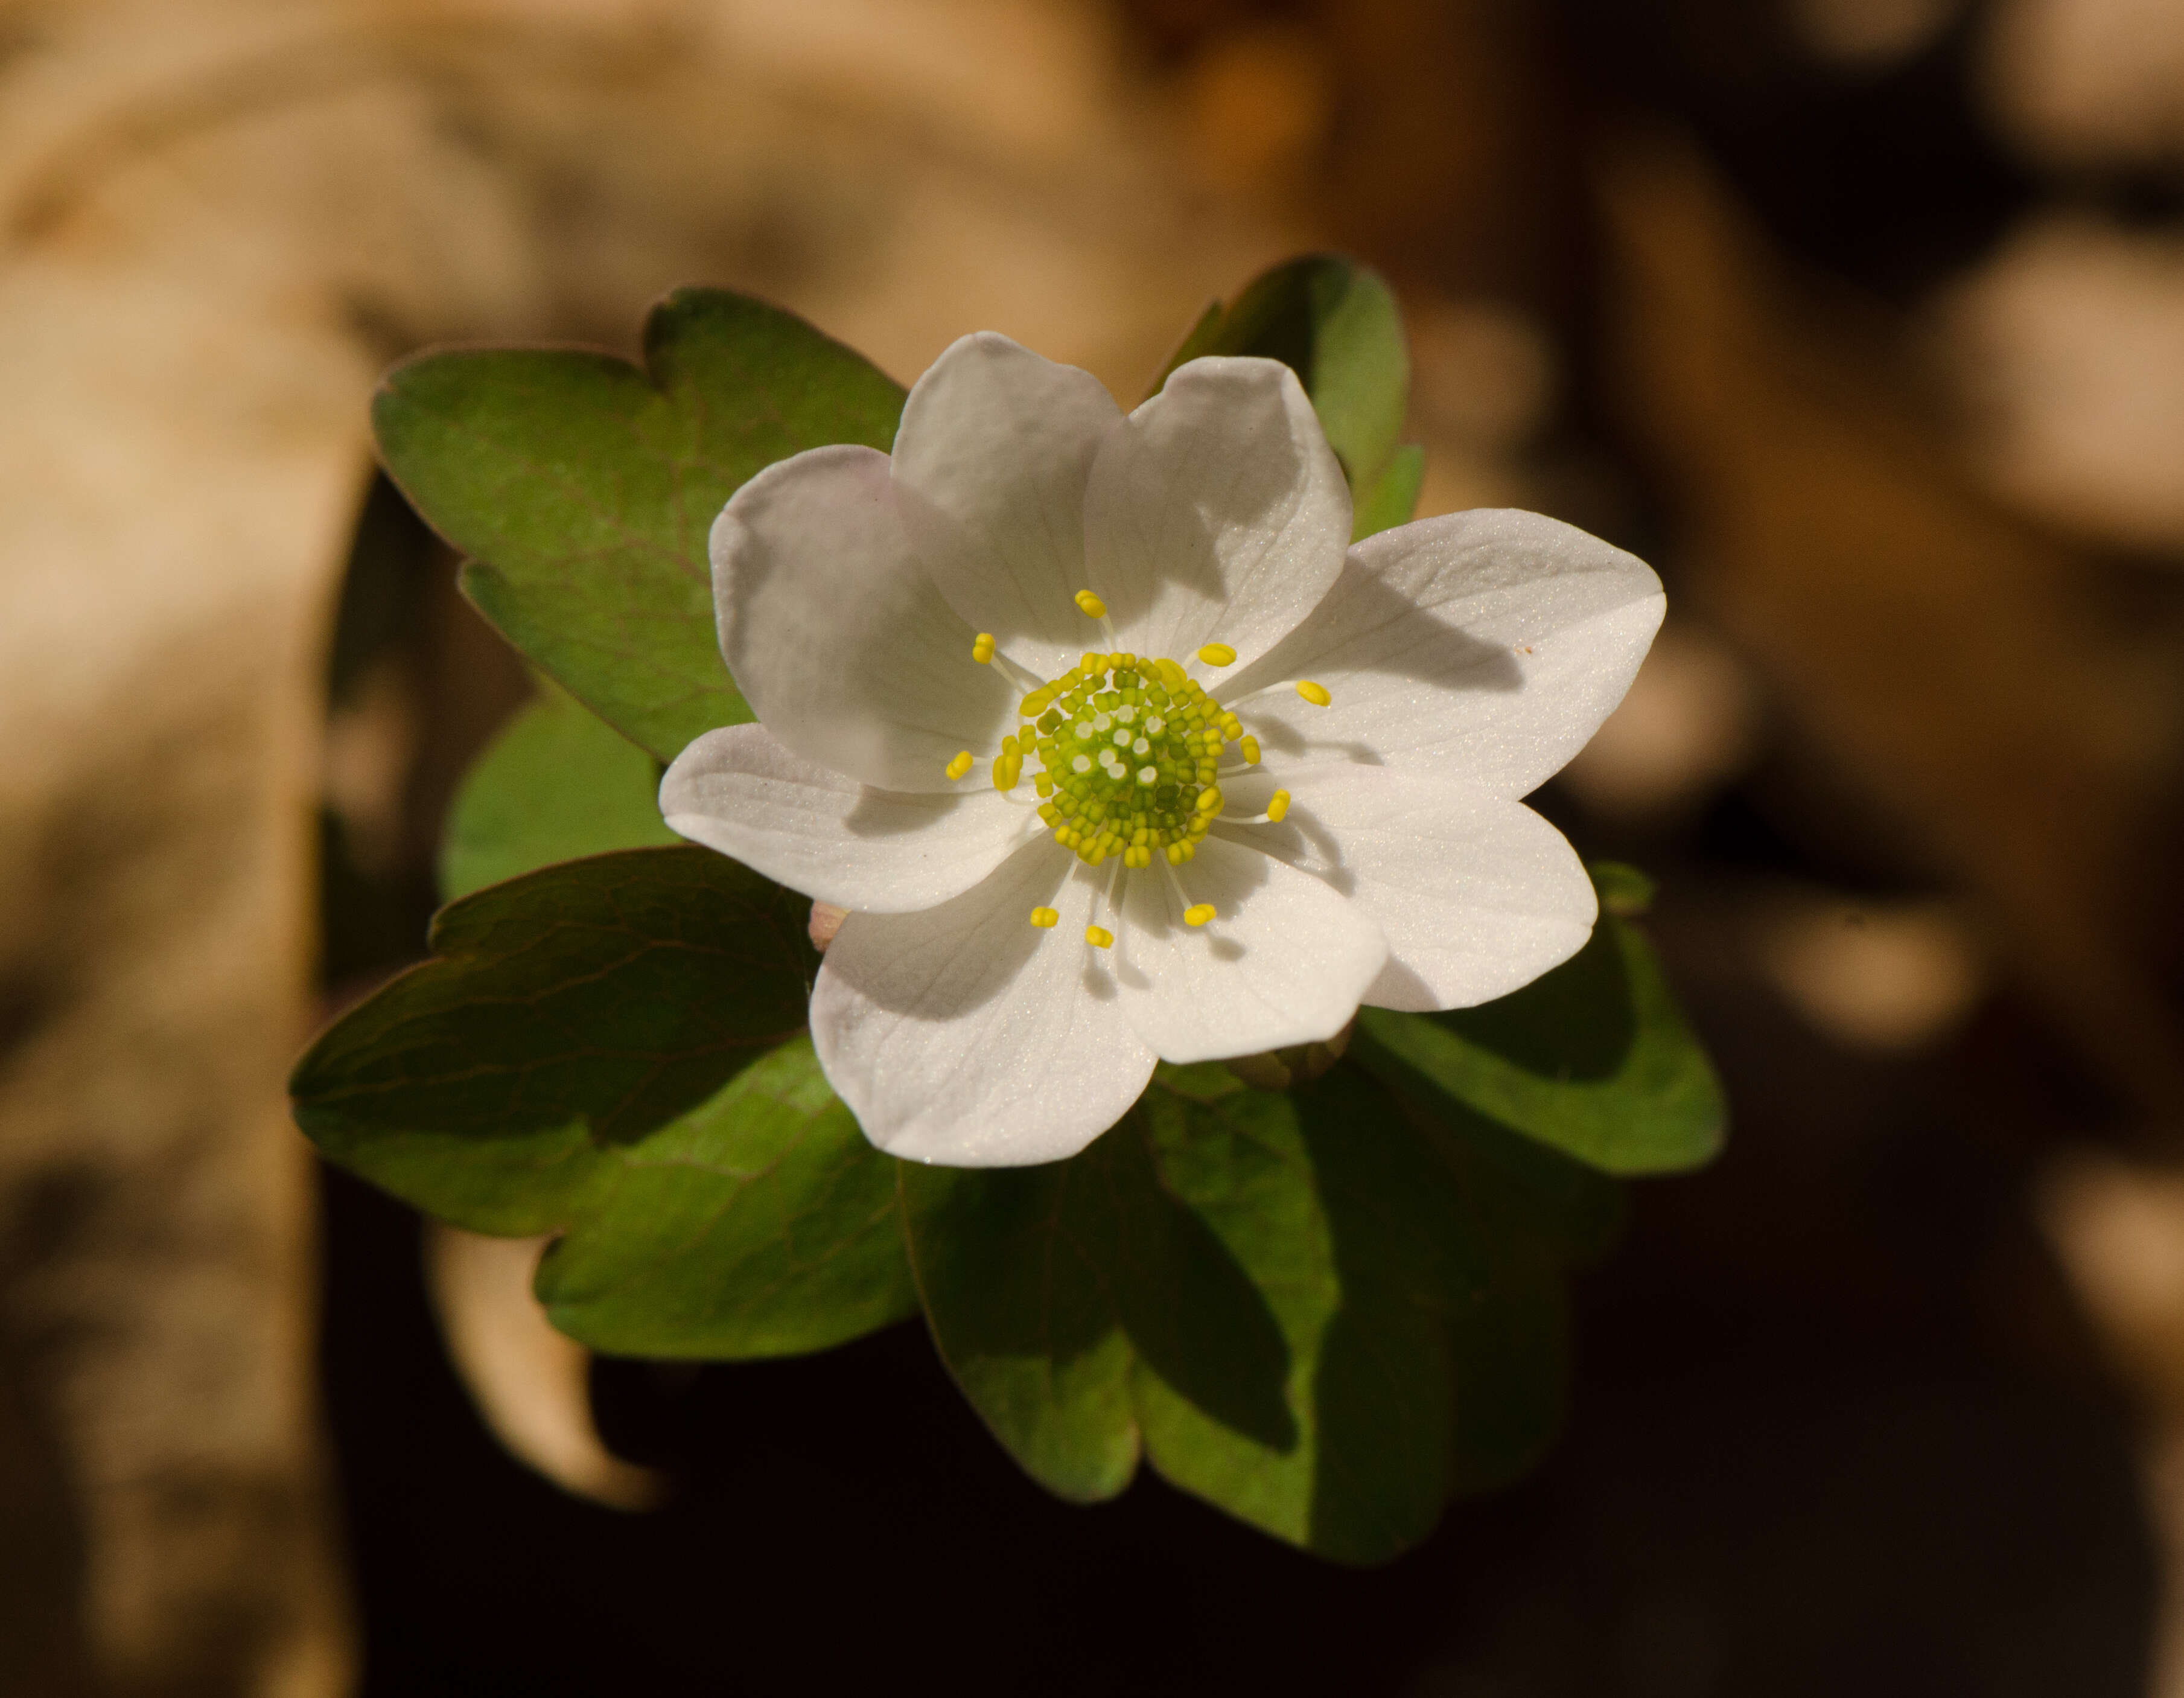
(1128, 751)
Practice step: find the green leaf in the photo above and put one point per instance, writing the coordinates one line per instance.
(1625, 890)
(611, 1049)
(1394, 500)
(1254, 1286)
(1336, 323)
(557, 783)
(583, 488)
(1593, 1060)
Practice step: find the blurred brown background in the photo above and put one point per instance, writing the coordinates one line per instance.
(1864, 319)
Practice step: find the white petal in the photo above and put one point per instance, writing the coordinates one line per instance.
(966, 1035)
(805, 826)
(1487, 646)
(836, 636)
(1285, 961)
(1477, 895)
(1217, 513)
(990, 463)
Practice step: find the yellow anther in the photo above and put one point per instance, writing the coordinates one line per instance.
(1092, 606)
(1316, 693)
(1209, 800)
(1199, 914)
(1049, 812)
(1099, 937)
(1044, 782)
(981, 648)
(1045, 918)
(1251, 752)
(1174, 853)
(1033, 704)
(1278, 806)
(1171, 674)
(962, 764)
(1007, 769)
(1092, 665)
(1218, 655)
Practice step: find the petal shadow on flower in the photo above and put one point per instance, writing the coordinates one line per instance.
(1368, 625)
(882, 813)
(976, 944)
(1154, 914)
(1204, 490)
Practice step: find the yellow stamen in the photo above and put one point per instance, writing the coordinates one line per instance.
(1198, 915)
(1171, 674)
(1008, 768)
(1174, 853)
(1316, 693)
(1209, 801)
(962, 764)
(1099, 937)
(1092, 606)
(981, 648)
(1251, 752)
(1218, 655)
(1045, 918)
(1279, 806)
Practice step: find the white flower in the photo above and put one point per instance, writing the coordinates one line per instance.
(1115, 750)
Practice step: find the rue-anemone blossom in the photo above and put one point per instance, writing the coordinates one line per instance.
(1116, 749)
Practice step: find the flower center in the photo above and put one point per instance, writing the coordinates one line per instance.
(1127, 753)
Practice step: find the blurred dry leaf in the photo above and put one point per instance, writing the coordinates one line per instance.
(1884, 976)
(1979, 681)
(532, 1385)
(2069, 346)
(1871, 34)
(2117, 1229)
(1258, 103)
(2090, 82)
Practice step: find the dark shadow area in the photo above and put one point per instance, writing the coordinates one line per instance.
(1192, 1314)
